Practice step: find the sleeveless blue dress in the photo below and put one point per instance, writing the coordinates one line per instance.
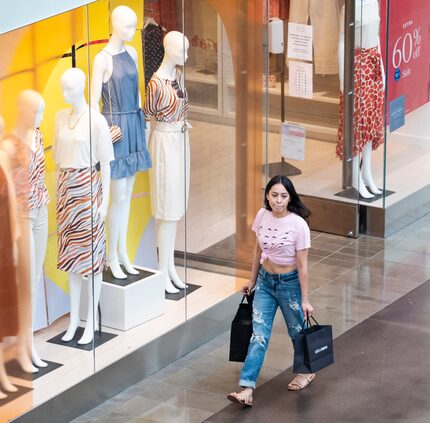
(131, 154)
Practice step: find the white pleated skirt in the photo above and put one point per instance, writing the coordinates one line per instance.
(169, 175)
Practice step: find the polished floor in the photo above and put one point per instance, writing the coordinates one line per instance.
(374, 294)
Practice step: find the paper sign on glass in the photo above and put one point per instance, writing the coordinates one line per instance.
(300, 82)
(299, 41)
(293, 141)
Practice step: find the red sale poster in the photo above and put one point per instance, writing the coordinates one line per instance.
(408, 59)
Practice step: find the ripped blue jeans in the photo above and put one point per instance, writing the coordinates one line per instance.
(272, 290)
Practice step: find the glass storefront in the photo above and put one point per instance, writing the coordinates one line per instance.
(333, 94)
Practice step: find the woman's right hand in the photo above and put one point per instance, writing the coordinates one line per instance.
(246, 289)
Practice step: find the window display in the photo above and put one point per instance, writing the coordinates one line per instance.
(79, 292)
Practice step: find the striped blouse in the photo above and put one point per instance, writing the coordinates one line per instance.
(38, 193)
(166, 100)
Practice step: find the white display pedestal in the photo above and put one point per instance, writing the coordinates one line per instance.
(124, 307)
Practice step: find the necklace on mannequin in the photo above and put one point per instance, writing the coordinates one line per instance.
(77, 119)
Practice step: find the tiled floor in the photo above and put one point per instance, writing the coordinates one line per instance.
(350, 281)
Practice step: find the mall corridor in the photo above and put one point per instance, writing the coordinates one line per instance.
(375, 293)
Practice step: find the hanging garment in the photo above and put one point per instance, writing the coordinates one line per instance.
(323, 15)
(153, 49)
(368, 102)
(279, 9)
(131, 154)
(164, 12)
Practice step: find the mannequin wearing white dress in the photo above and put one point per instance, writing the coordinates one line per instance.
(168, 208)
(367, 21)
(124, 22)
(73, 86)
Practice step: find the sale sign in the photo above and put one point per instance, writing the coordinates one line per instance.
(408, 59)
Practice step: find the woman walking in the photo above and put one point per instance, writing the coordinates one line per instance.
(280, 277)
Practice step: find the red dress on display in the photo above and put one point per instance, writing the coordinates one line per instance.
(368, 102)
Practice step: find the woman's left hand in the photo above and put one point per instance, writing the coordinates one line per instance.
(307, 309)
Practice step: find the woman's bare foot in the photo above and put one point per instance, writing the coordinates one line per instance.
(244, 397)
(300, 381)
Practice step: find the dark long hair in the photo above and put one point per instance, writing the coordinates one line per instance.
(295, 205)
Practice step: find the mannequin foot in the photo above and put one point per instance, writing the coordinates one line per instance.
(2, 395)
(88, 335)
(26, 364)
(128, 266)
(372, 186)
(168, 286)
(364, 193)
(37, 361)
(6, 384)
(116, 270)
(176, 279)
(70, 333)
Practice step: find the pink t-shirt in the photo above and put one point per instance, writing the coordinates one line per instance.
(281, 237)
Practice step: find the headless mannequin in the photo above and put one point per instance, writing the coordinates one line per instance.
(73, 86)
(175, 53)
(124, 22)
(366, 36)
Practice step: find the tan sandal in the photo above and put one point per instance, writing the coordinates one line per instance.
(300, 381)
(240, 398)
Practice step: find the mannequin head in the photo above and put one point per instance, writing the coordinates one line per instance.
(73, 85)
(176, 47)
(124, 22)
(30, 106)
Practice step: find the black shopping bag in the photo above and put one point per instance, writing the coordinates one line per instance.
(241, 330)
(313, 348)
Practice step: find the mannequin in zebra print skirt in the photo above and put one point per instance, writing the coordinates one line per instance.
(80, 142)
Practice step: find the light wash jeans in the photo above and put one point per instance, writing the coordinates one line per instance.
(272, 290)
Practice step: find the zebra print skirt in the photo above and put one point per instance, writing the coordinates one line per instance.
(80, 229)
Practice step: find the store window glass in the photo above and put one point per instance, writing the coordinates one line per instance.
(131, 169)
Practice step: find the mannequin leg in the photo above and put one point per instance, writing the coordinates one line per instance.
(5, 383)
(122, 240)
(173, 275)
(75, 283)
(38, 242)
(165, 229)
(93, 301)
(24, 338)
(357, 181)
(115, 216)
(366, 169)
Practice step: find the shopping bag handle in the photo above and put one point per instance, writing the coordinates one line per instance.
(307, 322)
(249, 297)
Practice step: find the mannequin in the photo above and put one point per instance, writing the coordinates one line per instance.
(30, 107)
(115, 72)
(167, 103)
(82, 198)
(9, 321)
(367, 55)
